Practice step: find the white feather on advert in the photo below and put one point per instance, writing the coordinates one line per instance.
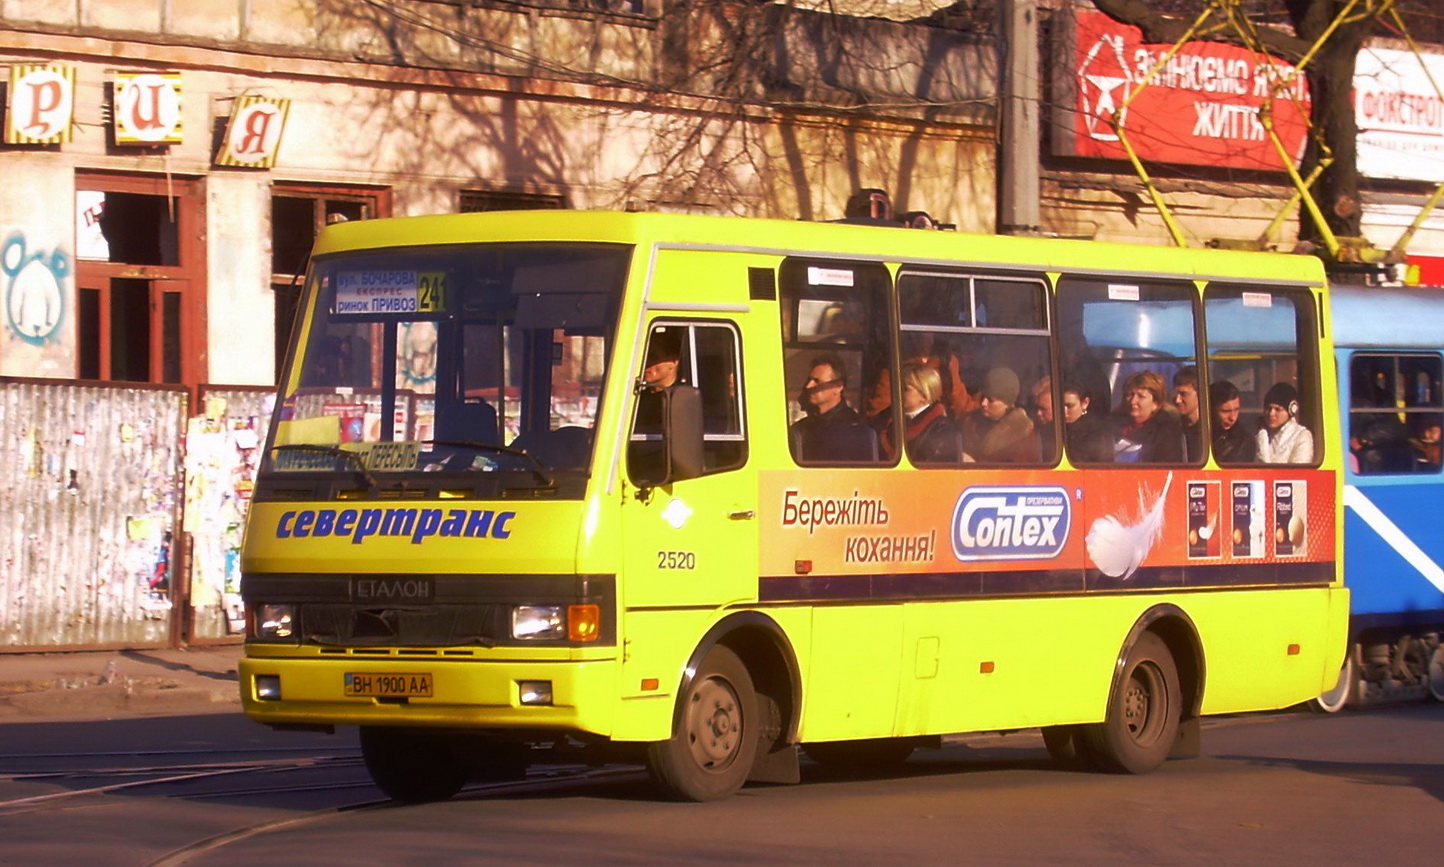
(1118, 549)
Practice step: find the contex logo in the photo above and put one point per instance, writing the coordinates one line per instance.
(1011, 523)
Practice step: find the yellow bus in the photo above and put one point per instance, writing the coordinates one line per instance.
(705, 492)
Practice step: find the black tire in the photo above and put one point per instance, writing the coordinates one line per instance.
(709, 756)
(1142, 722)
(868, 756)
(413, 765)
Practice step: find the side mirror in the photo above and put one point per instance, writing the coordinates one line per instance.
(682, 433)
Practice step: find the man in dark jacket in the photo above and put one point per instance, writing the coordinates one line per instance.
(832, 431)
(1231, 443)
(1185, 398)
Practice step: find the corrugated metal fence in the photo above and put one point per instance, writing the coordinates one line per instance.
(95, 482)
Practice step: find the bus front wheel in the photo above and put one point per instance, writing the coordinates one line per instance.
(711, 752)
(412, 765)
(1142, 722)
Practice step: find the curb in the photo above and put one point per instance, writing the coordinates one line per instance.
(102, 685)
(125, 697)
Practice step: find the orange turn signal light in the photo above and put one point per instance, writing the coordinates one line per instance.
(584, 622)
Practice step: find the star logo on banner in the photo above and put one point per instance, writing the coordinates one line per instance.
(1103, 82)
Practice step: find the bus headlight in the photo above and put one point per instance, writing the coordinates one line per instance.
(275, 622)
(538, 622)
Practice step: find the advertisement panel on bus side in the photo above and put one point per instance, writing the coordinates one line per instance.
(865, 534)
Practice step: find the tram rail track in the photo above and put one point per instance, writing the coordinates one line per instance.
(540, 780)
(241, 775)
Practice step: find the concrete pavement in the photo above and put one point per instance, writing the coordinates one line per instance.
(37, 687)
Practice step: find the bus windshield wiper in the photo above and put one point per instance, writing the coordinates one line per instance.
(534, 465)
(351, 457)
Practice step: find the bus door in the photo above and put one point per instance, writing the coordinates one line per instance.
(689, 517)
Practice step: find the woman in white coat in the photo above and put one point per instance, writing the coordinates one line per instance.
(1282, 440)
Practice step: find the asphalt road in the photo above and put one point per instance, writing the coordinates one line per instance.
(1292, 788)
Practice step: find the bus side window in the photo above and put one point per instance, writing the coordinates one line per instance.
(986, 337)
(1396, 413)
(836, 340)
(1129, 347)
(1262, 350)
(689, 417)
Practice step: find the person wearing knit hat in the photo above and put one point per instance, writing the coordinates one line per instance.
(1282, 440)
(999, 431)
(1001, 384)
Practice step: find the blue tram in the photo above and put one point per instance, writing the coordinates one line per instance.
(1389, 347)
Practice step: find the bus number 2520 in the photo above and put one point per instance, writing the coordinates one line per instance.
(676, 560)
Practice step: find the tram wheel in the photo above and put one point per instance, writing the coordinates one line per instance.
(412, 765)
(1335, 699)
(1142, 722)
(1436, 673)
(711, 753)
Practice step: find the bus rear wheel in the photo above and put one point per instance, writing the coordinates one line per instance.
(1142, 722)
(710, 755)
(412, 765)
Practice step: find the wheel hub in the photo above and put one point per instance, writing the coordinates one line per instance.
(716, 722)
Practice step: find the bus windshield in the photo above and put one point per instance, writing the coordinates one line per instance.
(475, 359)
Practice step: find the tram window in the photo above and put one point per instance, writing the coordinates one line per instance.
(1396, 413)
(1262, 351)
(706, 359)
(982, 341)
(835, 346)
(1125, 344)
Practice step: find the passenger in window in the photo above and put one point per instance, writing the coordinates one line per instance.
(1379, 443)
(1088, 436)
(1185, 399)
(1427, 446)
(958, 398)
(1283, 440)
(1043, 416)
(831, 430)
(931, 437)
(1379, 393)
(1231, 443)
(1423, 390)
(999, 431)
(1151, 433)
(967, 394)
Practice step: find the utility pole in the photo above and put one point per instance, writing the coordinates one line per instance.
(1019, 141)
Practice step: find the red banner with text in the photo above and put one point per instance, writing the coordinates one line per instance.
(1200, 106)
